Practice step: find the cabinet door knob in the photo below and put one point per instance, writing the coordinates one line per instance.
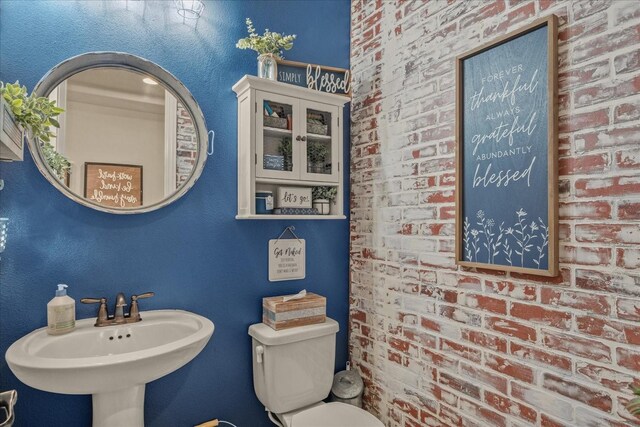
(298, 138)
(303, 138)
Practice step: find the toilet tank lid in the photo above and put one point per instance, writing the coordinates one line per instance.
(268, 336)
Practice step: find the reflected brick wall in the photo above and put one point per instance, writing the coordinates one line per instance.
(187, 145)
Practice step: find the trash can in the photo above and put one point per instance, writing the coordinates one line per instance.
(347, 387)
(8, 400)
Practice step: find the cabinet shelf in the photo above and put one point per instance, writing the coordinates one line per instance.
(267, 161)
(276, 131)
(320, 137)
(277, 181)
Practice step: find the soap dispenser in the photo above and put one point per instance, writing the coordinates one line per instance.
(61, 313)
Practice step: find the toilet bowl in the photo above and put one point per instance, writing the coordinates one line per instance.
(293, 373)
(333, 414)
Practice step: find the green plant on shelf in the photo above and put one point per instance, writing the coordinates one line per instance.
(317, 153)
(34, 113)
(285, 150)
(326, 193)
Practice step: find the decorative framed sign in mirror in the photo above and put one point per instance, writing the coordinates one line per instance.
(129, 128)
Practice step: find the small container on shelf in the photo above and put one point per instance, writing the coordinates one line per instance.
(317, 129)
(317, 123)
(264, 202)
(273, 162)
(323, 206)
(275, 122)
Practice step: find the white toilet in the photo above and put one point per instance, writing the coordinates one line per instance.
(293, 373)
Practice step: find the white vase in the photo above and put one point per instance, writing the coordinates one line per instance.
(323, 206)
(267, 66)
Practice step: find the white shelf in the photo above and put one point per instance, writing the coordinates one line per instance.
(276, 131)
(288, 217)
(320, 137)
(296, 183)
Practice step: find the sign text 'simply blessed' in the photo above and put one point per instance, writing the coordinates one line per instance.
(316, 77)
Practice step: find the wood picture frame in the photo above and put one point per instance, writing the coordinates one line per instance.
(113, 185)
(311, 76)
(494, 207)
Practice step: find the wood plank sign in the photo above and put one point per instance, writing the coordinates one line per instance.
(113, 185)
(316, 77)
(287, 259)
(294, 197)
(506, 156)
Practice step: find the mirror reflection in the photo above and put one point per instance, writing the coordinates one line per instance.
(124, 140)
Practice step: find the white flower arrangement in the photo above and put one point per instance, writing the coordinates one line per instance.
(270, 42)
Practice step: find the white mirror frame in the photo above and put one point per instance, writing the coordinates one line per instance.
(86, 61)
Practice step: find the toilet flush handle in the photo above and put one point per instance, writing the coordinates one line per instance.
(259, 353)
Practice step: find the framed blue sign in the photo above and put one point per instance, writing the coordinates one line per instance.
(507, 152)
(316, 77)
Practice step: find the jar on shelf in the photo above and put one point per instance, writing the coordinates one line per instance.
(267, 66)
(264, 202)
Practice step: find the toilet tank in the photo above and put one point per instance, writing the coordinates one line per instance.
(293, 368)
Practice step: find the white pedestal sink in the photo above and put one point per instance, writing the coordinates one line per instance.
(112, 363)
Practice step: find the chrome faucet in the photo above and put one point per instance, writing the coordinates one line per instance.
(119, 317)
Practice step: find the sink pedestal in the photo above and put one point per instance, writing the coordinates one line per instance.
(119, 408)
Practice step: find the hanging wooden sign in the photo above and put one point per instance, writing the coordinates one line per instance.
(287, 259)
(506, 156)
(316, 77)
(113, 185)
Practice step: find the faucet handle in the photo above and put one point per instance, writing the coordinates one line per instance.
(134, 312)
(103, 315)
(102, 300)
(141, 296)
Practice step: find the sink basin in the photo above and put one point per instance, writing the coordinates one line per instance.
(112, 363)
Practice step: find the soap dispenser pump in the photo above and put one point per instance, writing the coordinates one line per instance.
(61, 313)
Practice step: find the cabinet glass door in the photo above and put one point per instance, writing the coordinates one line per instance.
(321, 142)
(276, 153)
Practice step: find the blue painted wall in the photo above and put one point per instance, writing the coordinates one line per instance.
(193, 254)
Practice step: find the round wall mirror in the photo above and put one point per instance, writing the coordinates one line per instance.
(132, 138)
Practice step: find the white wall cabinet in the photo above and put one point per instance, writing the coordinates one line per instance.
(287, 136)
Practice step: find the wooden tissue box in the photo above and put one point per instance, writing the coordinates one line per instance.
(308, 310)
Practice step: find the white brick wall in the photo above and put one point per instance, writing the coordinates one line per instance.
(444, 346)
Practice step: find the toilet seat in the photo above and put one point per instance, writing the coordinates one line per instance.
(335, 414)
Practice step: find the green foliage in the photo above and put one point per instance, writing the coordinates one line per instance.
(634, 404)
(317, 152)
(269, 42)
(36, 114)
(286, 150)
(58, 163)
(328, 193)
